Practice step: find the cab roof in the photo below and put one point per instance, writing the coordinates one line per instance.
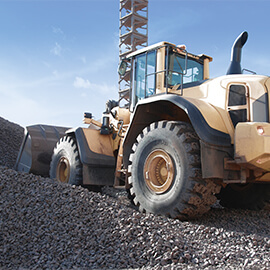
(163, 44)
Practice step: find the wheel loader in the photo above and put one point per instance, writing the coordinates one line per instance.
(182, 141)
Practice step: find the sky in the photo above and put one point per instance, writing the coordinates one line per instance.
(59, 58)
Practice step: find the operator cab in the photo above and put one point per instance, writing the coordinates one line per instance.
(163, 68)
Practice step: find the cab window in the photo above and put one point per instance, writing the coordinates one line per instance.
(237, 103)
(237, 95)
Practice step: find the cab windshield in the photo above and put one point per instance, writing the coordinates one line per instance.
(179, 69)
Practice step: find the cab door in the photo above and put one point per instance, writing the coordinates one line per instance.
(144, 83)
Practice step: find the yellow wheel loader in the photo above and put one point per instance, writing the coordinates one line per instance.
(182, 140)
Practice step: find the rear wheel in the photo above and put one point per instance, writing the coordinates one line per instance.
(66, 165)
(166, 172)
(245, 196)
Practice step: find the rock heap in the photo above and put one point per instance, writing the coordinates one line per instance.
(49, 225)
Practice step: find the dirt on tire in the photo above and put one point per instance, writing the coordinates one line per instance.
(188, 195)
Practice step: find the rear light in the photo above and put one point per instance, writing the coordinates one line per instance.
(260, 130)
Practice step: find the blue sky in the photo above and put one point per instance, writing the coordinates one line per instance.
(59, 58)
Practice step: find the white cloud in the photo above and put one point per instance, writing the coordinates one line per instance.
(18, 108)
(57, 30)
(36, 98)
(57, 49)
(83, 59)
(55, 73)
(99, 88)
(46, 64)
(81, 83)
(105, 88)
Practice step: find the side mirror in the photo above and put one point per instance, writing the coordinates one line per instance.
(122, 68)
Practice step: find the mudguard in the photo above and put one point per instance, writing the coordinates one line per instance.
(96, 154)
(172, 108)
(94, 149)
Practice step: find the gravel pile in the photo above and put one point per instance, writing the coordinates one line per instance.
(11, 136)
(46, 224)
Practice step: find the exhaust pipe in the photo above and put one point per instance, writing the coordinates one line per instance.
(235, 66)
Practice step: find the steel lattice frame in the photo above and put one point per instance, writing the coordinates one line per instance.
(133, 35)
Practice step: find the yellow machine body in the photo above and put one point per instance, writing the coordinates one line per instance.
(226, 122)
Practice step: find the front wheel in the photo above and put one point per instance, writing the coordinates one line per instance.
(166, 172)
(66, 165)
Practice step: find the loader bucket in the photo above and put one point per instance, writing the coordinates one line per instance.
(37, 147)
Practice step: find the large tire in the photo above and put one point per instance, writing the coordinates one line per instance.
(166, 172)
(66, 165)
(245, 196)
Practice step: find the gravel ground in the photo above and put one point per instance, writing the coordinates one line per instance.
(49, 225)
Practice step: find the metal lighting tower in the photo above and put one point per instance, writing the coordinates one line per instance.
(133, 35)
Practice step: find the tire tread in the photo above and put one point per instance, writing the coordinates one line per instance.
(201, 192)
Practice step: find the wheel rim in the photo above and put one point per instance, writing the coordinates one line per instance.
(63, 170)
(159, 171)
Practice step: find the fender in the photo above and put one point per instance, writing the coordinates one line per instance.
(94, 149)
(173, 108)
(96, 155)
